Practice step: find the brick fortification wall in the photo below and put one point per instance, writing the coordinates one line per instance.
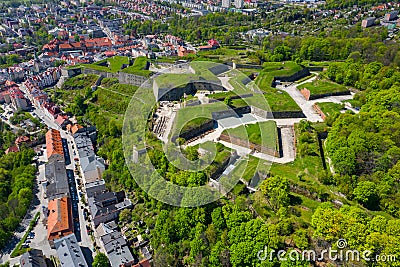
(250, 145)
(124, 78)
(297, 76)
(187, 135)
(319, 111)
(174, 94)
(308, 96)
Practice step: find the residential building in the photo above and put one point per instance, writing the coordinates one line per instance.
(95, 188)
(368, 22)
(92, 168)
(54, 146)
(69, 252)
(57, 180)
(143, 263)
(115, 246)
(18, 100)
(226, 3)
(391, 15)
(239, 3)
(184, 51)
(107, 206)
(59, 219)
(33, 258)
(62, 120)
(212, 44)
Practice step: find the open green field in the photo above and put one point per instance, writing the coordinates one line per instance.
(318, 87)
(330, 109)
(279, 100)
(260, 133)
(194, 116)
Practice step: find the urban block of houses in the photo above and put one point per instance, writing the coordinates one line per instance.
(59, 219)
(92, 166)
(106, 207)
(14, 96)
(69, 252)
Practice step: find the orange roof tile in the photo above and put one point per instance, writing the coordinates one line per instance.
(143, 263)
(54, 143)
(59, 220)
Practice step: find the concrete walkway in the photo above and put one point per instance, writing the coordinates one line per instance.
(307, 105)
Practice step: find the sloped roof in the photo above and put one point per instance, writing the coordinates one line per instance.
(59, 220)
(69, 252)
(54, 143)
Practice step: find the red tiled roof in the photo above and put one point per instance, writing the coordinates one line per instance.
(12, 149)
(54, 143)
(143, 263)
(59, 220)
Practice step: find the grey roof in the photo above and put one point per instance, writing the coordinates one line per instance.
(92, 163)
(56, 176)
(117, 249)
(96, 187)
(107, 203)
(84, 145)
(106, 228)
(69, 252)
(32, 258)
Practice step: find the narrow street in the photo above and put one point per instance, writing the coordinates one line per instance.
(40, 203)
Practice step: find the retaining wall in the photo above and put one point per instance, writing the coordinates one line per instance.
(124, 78)
(319, 111)
(230, 113)
(297, 76)
(187, 135)
(248, 144)
(308, 96)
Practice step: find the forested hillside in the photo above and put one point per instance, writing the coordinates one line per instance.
(16, 184)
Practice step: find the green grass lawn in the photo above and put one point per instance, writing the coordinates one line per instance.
(246, 168)
(138, 67)
(279, 100)
(317, 87)
(330, 109)
(260, 133)
(195, 115)
(115, 65)
(273, 69)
